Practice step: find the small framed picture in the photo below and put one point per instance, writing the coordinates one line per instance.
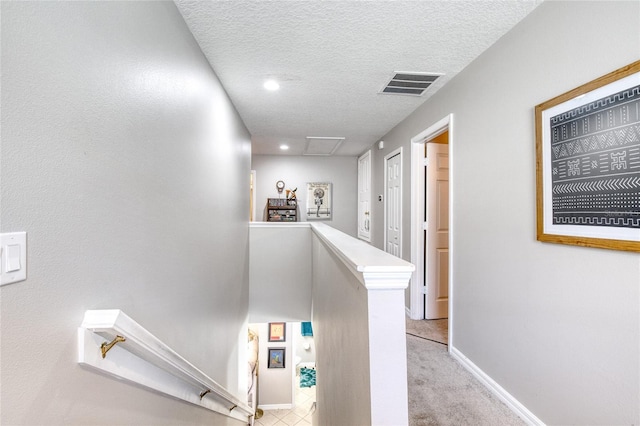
(276, 358)
(277, 332)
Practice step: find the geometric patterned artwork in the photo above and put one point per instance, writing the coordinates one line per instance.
(595, 162)
(588, 163)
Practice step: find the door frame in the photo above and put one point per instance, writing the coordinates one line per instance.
(366, 238)
(386, 160)
(253, 207)
(416, 308)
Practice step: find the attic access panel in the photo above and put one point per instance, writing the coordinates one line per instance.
(325, 146)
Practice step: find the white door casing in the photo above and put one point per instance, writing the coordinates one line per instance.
(254, 208)
(393, 202)
(364, 196)
(416, 302)
(437, 231)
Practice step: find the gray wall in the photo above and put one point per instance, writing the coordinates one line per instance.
(128, 166)
(341, 332)
(280, 273)
(296, 171)
(557, 326)
(275, 385)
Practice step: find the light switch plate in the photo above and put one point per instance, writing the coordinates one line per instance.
(13, 259)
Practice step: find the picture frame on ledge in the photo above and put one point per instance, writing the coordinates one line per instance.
(588, 163)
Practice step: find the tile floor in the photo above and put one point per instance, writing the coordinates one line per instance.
(300, 415)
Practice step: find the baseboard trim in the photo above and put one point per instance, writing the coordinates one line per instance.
(276, 406)
(496, 389)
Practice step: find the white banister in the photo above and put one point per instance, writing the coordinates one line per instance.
(110, 341)
(359, 315)
(355, 295)
(364, 259)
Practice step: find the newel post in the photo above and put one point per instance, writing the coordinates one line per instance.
(387, 347)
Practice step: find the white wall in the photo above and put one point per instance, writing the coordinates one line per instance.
(557, 326)
(128, 166)
(296, 171)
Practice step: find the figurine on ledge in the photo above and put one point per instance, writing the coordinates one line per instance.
(291, 197)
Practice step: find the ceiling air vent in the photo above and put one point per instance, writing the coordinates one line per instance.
(409, 83)
(317, 145)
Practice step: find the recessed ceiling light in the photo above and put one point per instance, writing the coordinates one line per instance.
(284, 147)
(271, 85)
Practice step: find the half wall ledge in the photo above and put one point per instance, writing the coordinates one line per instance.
(374, 268)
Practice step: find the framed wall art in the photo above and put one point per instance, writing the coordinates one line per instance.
(276, 358)
(588, 163)
(319, 201)
(277, 332)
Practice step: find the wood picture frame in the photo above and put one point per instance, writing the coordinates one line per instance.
(588, 163)
(277, 332)
(276, 358)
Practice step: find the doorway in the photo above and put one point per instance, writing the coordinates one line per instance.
(364, 196)
(436, 232)
(280, 355)
(252, 197)
(393, 203)
(428, 253)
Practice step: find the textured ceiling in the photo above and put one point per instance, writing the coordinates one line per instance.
(333, 57)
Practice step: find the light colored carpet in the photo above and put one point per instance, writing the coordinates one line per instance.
(441, 391)
(436, 330)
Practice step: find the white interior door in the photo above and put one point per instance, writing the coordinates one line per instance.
(393, 203)
(364, 196)
(437, 231)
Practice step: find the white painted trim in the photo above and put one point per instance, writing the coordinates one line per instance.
(416, 303)
(386, 159)
(292, 360)
(254, 212)
(504, 396)
(374, 268)
(434, 130)
(267, 407)
(144, 360)
(416, 297)
(366, 238)
(452, 227)
(386, 280)
(279, 225)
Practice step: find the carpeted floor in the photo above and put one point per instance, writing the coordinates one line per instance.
(436, 330)
(441, 391)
